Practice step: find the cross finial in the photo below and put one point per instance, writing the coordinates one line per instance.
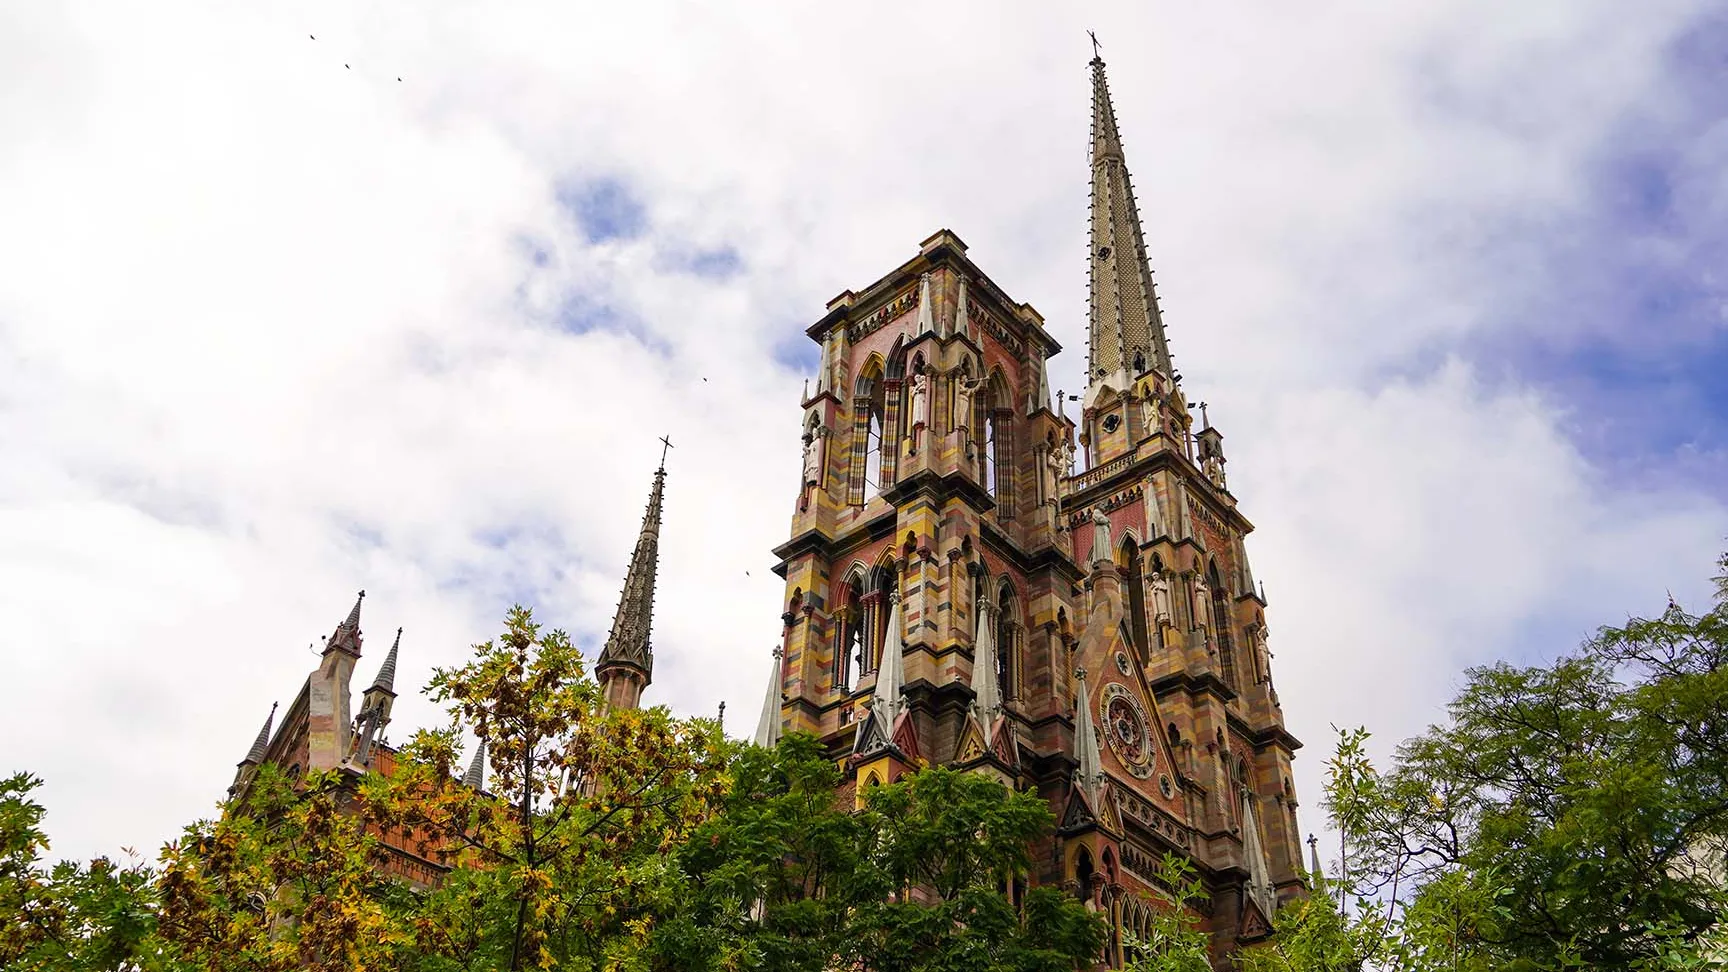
(665, 443)
(1095, 55)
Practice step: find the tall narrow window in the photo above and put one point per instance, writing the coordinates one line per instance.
(849, 653)
(1221, 626)
(1131, 579)
(873, 456)
(990, 473)
(1007, 640)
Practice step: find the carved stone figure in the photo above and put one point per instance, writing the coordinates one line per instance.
(812, 459)
(1160, 597)
(1100, 536)
(1053, 472)
(1213, 467)
(1065, 461)
(1202, 602)
(964, 390)
(1150, 420)
(920, 400)
(1262, 654)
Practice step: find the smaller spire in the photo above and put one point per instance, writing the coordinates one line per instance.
(347, 634)
(988, 695)
(386, 679)
(768, 727)
(891, 673)
(1318, 873)
(962, 314)
(1041, 395)
(261, 745)
(476, 776)
(1089, 773)
(926, 313)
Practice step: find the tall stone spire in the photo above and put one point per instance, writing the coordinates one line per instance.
(475, 778)
(1089, 773)
(386, 680)
(1125, 329)
(768, 727)
(988, 700)
(891, 672)
(626, 664)
(261, 745)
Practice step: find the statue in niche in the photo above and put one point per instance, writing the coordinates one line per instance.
(1262, 654)
(1202, 601)
(1160, 597)
(1213, 467)
(965, 389)
(813, 456)
(1065, 464)
(1100, 535)
(920, 399)
(1150, 419)
(1052, 474)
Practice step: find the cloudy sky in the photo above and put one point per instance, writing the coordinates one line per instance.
(300, 298)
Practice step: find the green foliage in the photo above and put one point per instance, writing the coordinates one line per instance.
(1175, 942)
(1571, 815)
(785, 878)
(69, 916)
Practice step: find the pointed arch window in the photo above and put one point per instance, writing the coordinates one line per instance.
(864, 470)
(849, 652)
(1135, 582)
(1007, 640)
(990, 473)
(873, 454)
(1221, 625)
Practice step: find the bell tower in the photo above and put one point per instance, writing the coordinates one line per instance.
(958, 593)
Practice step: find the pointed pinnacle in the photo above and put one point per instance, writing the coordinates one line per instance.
(633, 623)
(386, 679)
(262, 744)
(476, 775)
(354, 615)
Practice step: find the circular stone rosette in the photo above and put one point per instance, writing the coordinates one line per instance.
(1125, 727)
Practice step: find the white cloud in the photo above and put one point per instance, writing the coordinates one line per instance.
(270, 330)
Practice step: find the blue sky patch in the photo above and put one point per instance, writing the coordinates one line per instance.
(603, 209)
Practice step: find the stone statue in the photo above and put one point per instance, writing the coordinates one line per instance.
(1150, 420)
(1101, 548)
(964, 390)
(1202, 602)
(1262, 655)
(920, 400)
(1065, 463)
(1053, 473)
(812, 459)
(1160, 597)
(1213, 467)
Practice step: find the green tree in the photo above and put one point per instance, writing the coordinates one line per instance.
(1569, 815)
(786, 878)
(560, 861)
(69, 916)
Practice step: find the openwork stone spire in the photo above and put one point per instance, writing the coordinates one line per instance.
(628, 644)
(1126, 331)
(475, 778)
(988, 702)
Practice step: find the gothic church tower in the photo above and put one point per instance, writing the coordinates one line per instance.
(958, 593)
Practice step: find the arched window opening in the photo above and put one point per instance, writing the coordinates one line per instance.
(883, 585)
(864, 462)
(873, 455)
(1083, 874)
(1007, 640)
(1221, 626)
(1136, 584)
(849, 655)
(990, 472)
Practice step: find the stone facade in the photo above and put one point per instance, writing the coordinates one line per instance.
(939, 502)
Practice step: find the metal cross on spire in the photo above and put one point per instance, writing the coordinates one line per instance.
(665, 443)
(1094, 37)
